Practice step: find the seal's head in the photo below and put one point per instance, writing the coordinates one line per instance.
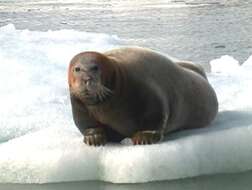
(86, 77)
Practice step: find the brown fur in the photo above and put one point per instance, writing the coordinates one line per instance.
(150, 93)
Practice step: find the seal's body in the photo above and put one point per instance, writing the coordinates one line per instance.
(137, 93)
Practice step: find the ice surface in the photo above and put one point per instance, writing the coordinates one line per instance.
(33, 83)
(40, 144)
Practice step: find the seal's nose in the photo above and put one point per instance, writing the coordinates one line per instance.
(87, 81)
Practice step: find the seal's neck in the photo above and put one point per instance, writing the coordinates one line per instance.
(114, 76)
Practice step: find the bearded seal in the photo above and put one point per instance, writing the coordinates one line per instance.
(138, 93)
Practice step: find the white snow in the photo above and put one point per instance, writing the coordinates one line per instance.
(33, 76)
(226, 64)
(40, 144)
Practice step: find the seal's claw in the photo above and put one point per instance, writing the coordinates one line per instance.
(95, 137)
(146, 137)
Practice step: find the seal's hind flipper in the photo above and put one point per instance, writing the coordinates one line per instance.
(146, 137)
(194, 67)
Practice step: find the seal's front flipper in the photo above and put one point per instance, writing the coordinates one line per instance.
(146, 137)
(95, 137)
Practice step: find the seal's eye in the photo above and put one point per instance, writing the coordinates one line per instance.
(77, 69)
(94, 68)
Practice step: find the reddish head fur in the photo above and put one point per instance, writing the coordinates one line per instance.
(91, 58)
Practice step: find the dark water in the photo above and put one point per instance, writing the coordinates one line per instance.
(196, 30)
(240, 181)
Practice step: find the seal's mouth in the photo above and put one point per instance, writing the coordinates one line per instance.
(88, 84)
(95, 93)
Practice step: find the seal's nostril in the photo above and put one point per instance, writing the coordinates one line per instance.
(77, 69)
